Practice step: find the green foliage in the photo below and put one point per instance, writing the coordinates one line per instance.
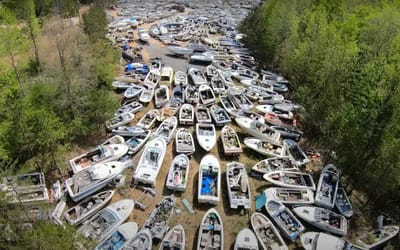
(95, 23)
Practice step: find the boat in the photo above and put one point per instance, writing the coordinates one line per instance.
(377, 238)
(119, 120)
(226, 78)
(119, 237)
(186, 114)
(219, 115)
(167, 75)
(230, 141)
(115, 139)
(206, 135)
(161, 95)
(121, 84)
(290, 179)
(323, 219)
(241, 101)
(156, 64)
(274, 120)
(146, 95)
(197, 76)
(211, 231)
(287, 106)
(323, 241)
(209, 180)
(97, 155)
(207, 95)
(294, 151)
(180, 78)
(192, 94)
(238, 186)
(132, 107)
(342, 203)
(92, 179)
(136, 142)
(244, 74)
(267, 108)
(264, 148)
(179, 51)
(328, 183)
(128, 131)
(100, 226)
(246, 240)
(87, 207)
(178, 173)
(184, 142)
(133, 91)
(178, 94)
(174, 239)
(287, 223)
(157, 221)
(202, 114)
(143, 35)
(218, 85)
(275, 164)
(229, 106)
(211, 71)
(290, 196)
(171, 109)
(267, 234)
(288, 132)
(152, 79)
(204, 57)
(167, 128)
(259, 129)
(140, 241)
(148, 120)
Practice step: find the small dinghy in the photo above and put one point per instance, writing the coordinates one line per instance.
(197, 76)
(133, 91)
(149, 119)
(266, 233)
(238, 186)
(290, 179)
(288, 115)
(152, 79)
(143, 35)
(288, 224)
(170, 109)
(229, 106)
(259, 129)
(219, 115)
(264, 148)
(230, 141)
(146, 95)
(323, 219)
(328, 183)
(178, 173)
(100, 226)
(174, 239)
(342, 203)
(132, 107)
(218, 85)
(119, 237)
(150, 162)
(275, 164)
(294, 151)
(241, 101)
(179, 51)
(211, 71)
(211, 231)
(161, 96)
(167, 75)
(288, 132)
(119, 120)
(246, 240)
(323, 241)
(192, 94)
(140, 241)
(180, 78)
(207, 95)
(157, 221)
(167, 128)
(202, 114)
(121, 85)
(378, 237)
(136, 142)
(178, 94)
(128, 131)
(86, 208)
(209, 180)
(205, 57)
(186, 114)
(290, 196)
(206, 135)
(184, 142)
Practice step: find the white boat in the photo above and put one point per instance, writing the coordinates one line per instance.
(100, 154)
(294, 151)
(170, 109)
(178, 173)
(323, 241)
(132, 107)
(207, 95)
(119, 120)
(211, 231)
(148, 120)
(244, 74)
(119, 237)
(186, 114)
(229, 106)
(128, 131)
(238, 186)
(167, 129)
(167, 75)
(157, 221)
(180, 78)
(136, 142)
(290, 196)
(92, 179)
(115, 139)
(146, 95)
(87, 207)
(192, 94)
(376, 239)
(323, 219)
(264, 148)
(328, 183)
(205, 57)
(241, 101)
(152, 79)
(133, 91)
(211, 71)
(268, 236)
(100, 226)
(271, 109)
(140, 241)
(178, 94)
(121, 84)
(174, 239)
(184, 142)
(161, 95)
(275, 164)
(179, 51)
(150, 162)
(197, 76)
(290, 179)
(246, 240)
(219, 115)
(218, 85)
(206, 135)
(209, 180)
(259, 129)
(342, 203)
(230, 141)
(287, 223)
(143, 35)
(202, 114)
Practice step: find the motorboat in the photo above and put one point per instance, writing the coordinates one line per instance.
(264, 147)
(267, 234)
(290, 196)
(167, 129)
(184, 142)
(209, 180)
(119, 120)
(328, 184)
(238, 186)
(284, 178)
(178, 173)
(230, 141)
(211, 231)
(206, 135)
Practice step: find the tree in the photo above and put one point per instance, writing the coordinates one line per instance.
(95, 23)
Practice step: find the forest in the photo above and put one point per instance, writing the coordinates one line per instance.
(342, 59)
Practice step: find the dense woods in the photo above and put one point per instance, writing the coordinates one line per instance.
(342, 58)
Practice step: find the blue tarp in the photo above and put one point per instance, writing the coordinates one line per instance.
(260, 201)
